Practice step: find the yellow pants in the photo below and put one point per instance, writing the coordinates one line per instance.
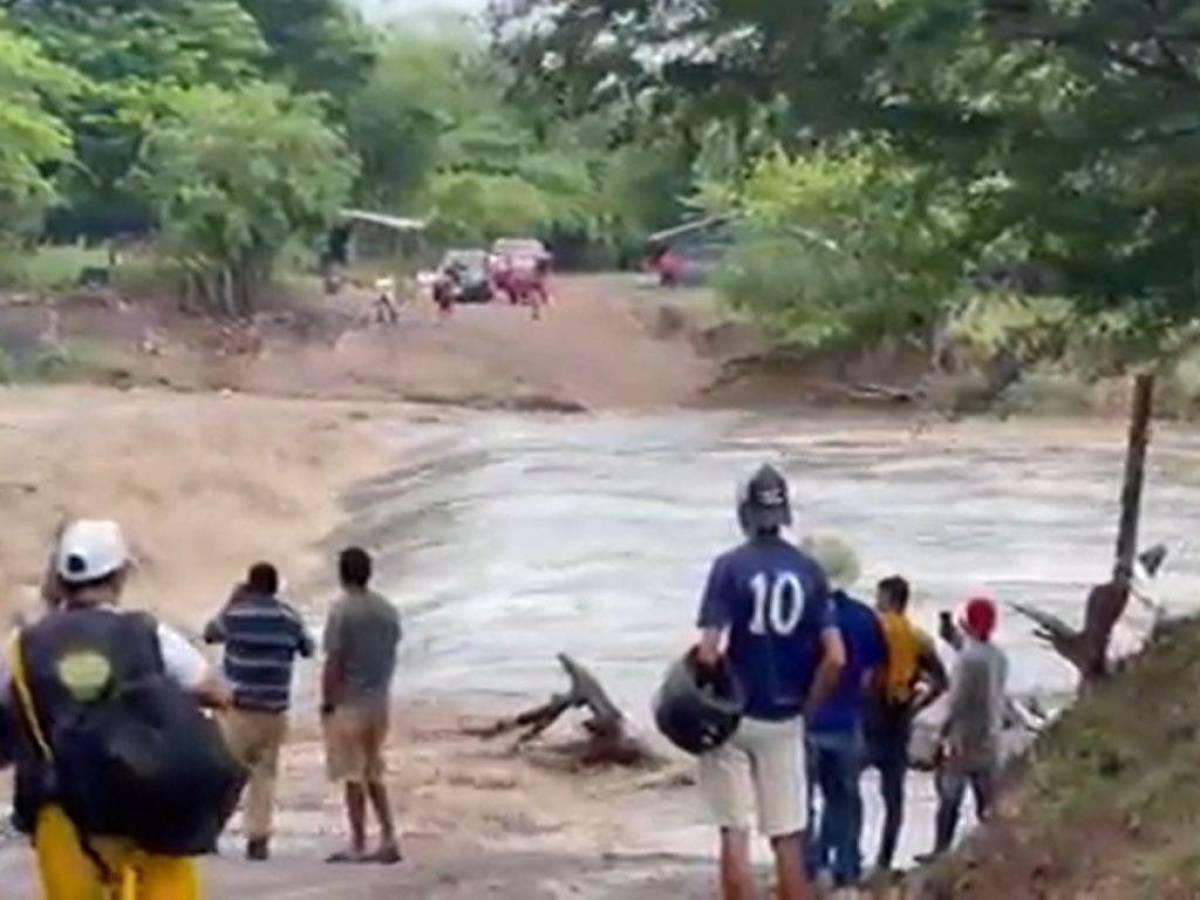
(69, 874)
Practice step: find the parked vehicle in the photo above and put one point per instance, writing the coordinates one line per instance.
(519, 267)
(689, 254)
(512, 249)
(464, 277)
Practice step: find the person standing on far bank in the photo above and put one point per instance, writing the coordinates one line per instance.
(362, 635)
(262, 636)
(766, 611)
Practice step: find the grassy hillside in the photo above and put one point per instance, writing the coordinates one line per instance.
(1107, 805)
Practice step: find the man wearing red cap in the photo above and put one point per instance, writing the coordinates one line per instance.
(971, 732)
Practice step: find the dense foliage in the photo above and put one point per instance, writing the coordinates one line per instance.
(32, 138)
(882, 158)
(233, 177)
(1061, 135)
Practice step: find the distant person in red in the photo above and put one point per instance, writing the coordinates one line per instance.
(971, 732)
(668, 265)
(526, 283)
(445, 292)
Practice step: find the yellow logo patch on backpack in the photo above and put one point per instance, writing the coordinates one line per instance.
(85, 675)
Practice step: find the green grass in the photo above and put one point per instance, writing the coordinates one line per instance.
(68, 364)
(49, 267)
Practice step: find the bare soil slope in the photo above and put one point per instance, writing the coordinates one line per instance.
(593, 348)
(1105, 807)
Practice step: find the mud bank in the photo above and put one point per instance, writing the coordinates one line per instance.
(1103, 807)
(204, 484)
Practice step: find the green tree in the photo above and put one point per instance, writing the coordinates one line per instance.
(1078, 115)
(848, 245)
(316, 46)
(132, 51)
(33, 141)
(416, 92)
(438, 137)
(233, 177)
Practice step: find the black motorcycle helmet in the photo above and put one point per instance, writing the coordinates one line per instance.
(698, 708)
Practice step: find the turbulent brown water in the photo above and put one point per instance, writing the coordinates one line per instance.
(507, 539)
(523, 537)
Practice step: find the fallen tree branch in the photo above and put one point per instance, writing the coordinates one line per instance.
(608, 738)
(1087, 648)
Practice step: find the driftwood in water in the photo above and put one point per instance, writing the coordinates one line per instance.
(1087, 649)
(869, 391)
(608, 737)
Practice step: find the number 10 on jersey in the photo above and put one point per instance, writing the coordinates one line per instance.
(778, 603)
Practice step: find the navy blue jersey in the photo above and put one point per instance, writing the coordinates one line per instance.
(774, 600)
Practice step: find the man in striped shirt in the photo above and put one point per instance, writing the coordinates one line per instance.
(262, 636)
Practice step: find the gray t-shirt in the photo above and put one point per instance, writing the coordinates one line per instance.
(363, 631)
(977, 702)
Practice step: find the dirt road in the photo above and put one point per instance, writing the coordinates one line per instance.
(595, 347)
(589, 350)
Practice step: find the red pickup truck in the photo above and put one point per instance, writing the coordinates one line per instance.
(519, 268)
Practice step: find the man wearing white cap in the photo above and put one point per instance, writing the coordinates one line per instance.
(72, 656)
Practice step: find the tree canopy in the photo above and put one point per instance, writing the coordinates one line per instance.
(32, 138)
(234, 176)
(1068, 127)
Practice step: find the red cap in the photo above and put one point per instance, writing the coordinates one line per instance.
(980, 618)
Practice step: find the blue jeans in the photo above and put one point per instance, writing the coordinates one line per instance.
(834, 761)
(952, 781)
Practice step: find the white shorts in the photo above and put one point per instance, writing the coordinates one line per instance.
(761, 765)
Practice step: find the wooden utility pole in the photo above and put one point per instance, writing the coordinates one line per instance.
(1087, 648)
(1135, 470)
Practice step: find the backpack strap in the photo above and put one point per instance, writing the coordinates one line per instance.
(117, 885)
(20, 681)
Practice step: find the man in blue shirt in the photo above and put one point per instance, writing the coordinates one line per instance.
(834, 749)
(766, 610)
(262, 637)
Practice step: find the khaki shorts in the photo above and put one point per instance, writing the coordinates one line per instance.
(761, 765)
(354, 738)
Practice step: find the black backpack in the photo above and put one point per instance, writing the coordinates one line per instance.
(140, 761)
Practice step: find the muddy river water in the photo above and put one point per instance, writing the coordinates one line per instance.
(522, 537)
(507, 539)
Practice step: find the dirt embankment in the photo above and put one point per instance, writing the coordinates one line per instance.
(1105, 806)
(204, 484)
(597, 346)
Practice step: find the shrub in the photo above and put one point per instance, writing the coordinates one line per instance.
(1048, 390)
